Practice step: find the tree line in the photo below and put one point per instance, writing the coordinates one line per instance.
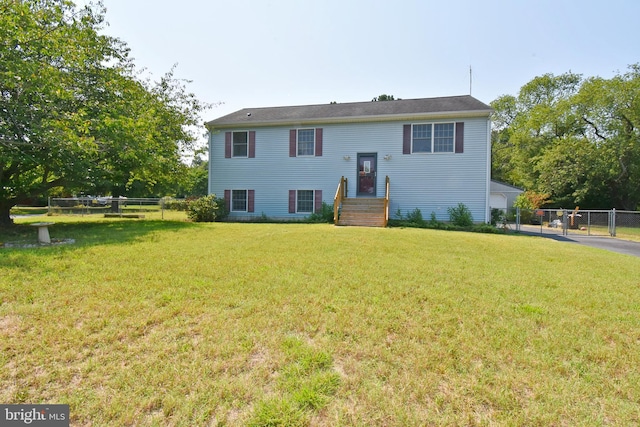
(572, 141)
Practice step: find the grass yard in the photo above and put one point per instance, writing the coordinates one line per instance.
(626, 233)
(174, 323)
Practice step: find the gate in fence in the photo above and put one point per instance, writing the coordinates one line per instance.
(614, 223)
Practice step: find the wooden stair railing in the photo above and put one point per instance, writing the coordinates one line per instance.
(341, 194)
(386, 200)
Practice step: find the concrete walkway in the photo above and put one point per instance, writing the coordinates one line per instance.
(602, 242)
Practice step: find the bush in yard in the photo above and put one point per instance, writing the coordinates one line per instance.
(206, 209)
(174, 204)
(433, 221)
(325, 214)
(531, 200)
(460, 215)
(528, 202)
(460, 219)
(415, 217)
(497, 216)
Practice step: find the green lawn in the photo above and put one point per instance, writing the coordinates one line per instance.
(174, 323)
(626, 233)
(27, 210)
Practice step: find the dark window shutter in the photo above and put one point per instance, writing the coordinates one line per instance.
(406, 139)
(459, 137)
(293, 134)
(292, 201)
(227, 200)
(252, 143)
(318, 201)
(318, 141)
(227, 145)
(251, 196)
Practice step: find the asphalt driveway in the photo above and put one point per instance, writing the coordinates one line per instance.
(602, 242)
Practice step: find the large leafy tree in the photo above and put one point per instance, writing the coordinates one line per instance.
(572, 138)
(610, 112)
(75, 114)
(196, 178)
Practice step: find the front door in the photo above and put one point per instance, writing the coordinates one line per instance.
(367, 171)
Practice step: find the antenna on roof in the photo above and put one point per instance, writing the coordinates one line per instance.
(470, 79)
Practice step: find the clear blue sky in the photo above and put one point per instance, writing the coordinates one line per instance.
(261, 53)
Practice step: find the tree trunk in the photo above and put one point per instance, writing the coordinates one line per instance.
(5, 216)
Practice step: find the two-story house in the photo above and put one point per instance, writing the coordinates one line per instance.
(283, 162)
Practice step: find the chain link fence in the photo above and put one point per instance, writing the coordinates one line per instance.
(614, 223)
(114, 206)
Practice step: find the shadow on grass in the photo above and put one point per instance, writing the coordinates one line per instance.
(89, 233)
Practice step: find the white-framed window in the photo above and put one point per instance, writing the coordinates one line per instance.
(433, 138)
(239, 200)
(306, 142)
(421, 139)
(305, 201)
(443, 137)
(240, 144)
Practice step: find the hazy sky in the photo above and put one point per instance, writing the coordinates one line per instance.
(261, 53)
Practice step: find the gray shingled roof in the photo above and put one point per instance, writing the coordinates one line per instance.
(356, 111)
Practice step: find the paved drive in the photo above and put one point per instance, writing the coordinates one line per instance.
(609, 243)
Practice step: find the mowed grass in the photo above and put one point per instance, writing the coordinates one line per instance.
(625, 233)
(175, 323)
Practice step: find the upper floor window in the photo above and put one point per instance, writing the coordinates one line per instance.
(306, 142)
(240, 144)
(443, 138)
(421, 139)
(433, 138)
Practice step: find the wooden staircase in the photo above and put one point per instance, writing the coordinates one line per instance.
(365, 212)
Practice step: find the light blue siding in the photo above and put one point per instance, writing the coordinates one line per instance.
(429, 182)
